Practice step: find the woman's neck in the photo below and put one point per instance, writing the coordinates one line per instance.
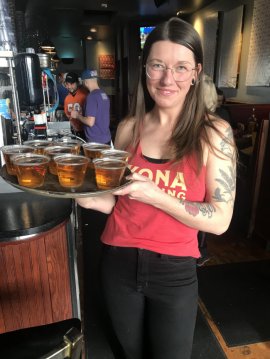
(163, 117)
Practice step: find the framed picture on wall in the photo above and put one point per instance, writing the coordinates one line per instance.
(228, 63)
(258, 71)
(210, 24)
(107, 66)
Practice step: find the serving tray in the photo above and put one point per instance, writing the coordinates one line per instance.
(52, 188)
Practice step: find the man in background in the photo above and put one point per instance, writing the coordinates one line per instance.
(75, 101)
(61, 89)
(96, 118)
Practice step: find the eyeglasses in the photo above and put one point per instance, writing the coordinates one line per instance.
(156, 70)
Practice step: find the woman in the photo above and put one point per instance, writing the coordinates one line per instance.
(183, 180)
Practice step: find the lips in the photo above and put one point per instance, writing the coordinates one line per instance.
(165, 92)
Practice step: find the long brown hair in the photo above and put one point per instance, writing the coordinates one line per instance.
(190, 129)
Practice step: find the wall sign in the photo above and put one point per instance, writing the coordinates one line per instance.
(107, 66)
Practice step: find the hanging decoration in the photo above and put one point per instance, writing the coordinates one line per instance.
(107, 66)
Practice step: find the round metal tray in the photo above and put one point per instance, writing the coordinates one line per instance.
(52, 188)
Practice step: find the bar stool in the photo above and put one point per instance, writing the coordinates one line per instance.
(53, 341)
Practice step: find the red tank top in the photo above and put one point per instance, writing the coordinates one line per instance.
(136, 224)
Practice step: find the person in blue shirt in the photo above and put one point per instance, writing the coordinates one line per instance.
(96, 118)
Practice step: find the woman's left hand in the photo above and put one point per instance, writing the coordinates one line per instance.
(142, 189)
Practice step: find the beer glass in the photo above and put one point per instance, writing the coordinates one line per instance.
(39, 145)
(109, 172)
(9, 151)
(117, 154)
(71, 169)
(31, 169)
(93, 150)
(70, 142)
(53, 151)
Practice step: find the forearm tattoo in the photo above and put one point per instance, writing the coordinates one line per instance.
(195, 208)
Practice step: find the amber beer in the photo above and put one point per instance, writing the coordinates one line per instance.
(31, 169)
(109, 172)
(39, 145)
(54, 151)
(117, 154)
(93, 150)
(71, 169)
(9, 151)
(70, 142)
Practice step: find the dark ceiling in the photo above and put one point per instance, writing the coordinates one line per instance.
(66, 18)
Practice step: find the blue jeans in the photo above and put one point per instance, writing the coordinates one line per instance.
(152, 301)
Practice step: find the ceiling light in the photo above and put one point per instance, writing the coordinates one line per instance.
(47, 45)
(50, 52)
(93, 29)
(89, 38)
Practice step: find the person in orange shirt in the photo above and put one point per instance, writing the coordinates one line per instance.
(75, 100)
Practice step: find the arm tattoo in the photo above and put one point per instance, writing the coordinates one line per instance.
(226, 143)
(226, 183)
(196, 208)
(225, 191)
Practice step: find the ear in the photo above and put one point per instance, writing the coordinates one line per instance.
(199, 69)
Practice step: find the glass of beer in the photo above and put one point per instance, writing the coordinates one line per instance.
(118, 154)
(9, 151)
(31, 169)
(93, 150)
(70, 142)
(53, 151)
(71, 169)
(39, 145)
(109, 172)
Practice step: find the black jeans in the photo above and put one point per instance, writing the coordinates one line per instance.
(152, 301)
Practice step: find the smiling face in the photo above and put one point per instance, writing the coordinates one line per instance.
(72, 87)
(165, 91)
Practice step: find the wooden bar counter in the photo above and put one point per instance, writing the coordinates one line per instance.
(38, 277)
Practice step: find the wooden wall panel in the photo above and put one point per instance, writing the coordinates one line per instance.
(42, 278)
(2, 325)
(58, 271)
(35, 281)
(22, 284)
(3, 291)
(12, 316)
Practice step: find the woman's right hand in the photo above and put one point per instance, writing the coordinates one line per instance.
(103, 203)
(141, 189)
